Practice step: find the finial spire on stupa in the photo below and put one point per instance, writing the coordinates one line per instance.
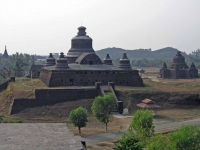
(81, 31)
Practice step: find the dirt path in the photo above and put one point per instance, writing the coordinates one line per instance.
(158, 128)
(154, 78)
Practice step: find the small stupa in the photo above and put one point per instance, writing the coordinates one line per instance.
(5, 55)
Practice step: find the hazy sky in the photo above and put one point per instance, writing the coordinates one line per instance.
(44, 26)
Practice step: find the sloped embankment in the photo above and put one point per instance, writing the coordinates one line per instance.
(166, 100)
(23, 88)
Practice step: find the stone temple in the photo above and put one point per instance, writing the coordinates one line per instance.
(178, 69)
(82, 67)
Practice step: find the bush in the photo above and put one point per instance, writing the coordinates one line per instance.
(186, 138)
(158, 142)
(11, 121)
(19, 121)
(142, 123)
(129, 142)
(1, 118)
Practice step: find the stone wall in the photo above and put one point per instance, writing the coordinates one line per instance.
(178, 74)
(69, 94)
(52, 96)
(88, 78)
(4, 85)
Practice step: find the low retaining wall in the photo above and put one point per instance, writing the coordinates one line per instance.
(52, 96)
(4, 85)
(69, 94)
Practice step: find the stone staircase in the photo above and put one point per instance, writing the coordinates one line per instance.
(111, 88)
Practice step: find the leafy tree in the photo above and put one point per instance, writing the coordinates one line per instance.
(78, 117)
(186, 138)
(102, 106)
(142, 123)
(19, 64)
(129, 142)
(158, 142)
(145, 62)
(32, 59)
(196, 53)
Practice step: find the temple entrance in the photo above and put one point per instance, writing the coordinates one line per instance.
(71, 82)
(91, 62)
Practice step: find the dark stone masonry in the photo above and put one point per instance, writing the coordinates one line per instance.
(82, 67)
(5, 84)
(178, 69)
(52, 96)
(79, 75)
(34, 71)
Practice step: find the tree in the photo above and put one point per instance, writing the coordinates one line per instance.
(158, 142)
(142, 123)
(19, 64)
(78, 117)
(186, 138)
(102, 106)
(129, 142)
(32, 59)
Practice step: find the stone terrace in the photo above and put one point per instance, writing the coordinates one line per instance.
(40, 136)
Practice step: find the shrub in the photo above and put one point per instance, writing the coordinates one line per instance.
(129, 142)
(186, 138)
(158, 142)
(142, 124)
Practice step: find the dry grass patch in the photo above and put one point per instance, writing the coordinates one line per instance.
(94, 127)
(175, 85)
(180, 114)
(21, 88)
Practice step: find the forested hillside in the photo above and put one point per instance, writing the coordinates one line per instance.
(148, 58)
(115, 53)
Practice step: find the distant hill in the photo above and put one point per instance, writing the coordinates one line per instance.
(168, 52)
(116, 53)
